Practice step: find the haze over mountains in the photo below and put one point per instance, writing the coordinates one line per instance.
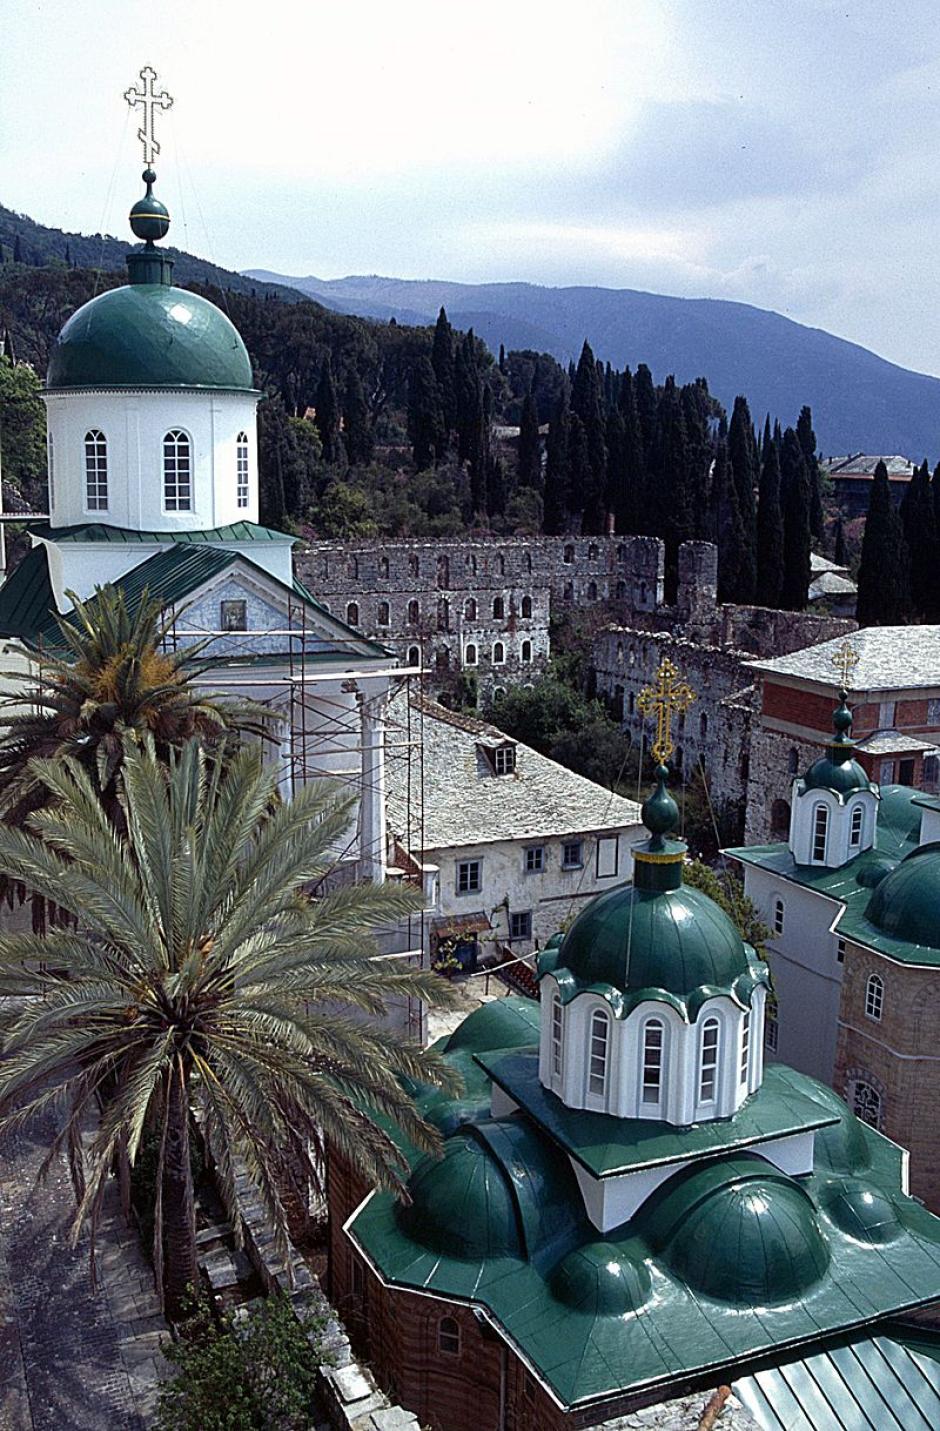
(860, 402)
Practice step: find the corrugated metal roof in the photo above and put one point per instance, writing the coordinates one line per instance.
(26, 596)
(876, 1384)
(102, 532)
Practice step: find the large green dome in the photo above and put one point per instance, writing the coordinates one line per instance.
(905, 904)
(149, 335)
(639, 941)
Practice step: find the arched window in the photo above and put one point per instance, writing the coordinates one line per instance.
(619, 653)
(866, 1103)
(499, 653)
(498, 608)
(592, 591)
(621, 590)
(527, 606)
(556, 1036)
(708, 1062)
(51, 471)
(470, 609)
(177, 471)
(241, 470)
(569, 554)
(855, 830)
(793, 760)
(653, 1041)
(352, 568)
(703, 726)
(568, 593)
(874, 997)
(820, 831)
(413, 613)
(779, 915)
(597, 1064)
(414, 656)
(745, 1045)
(499, 692)
(470, 656)
(383, 567)
(621, 551)
(96, 471)
(448, 1336)
(527, 562)
(526, 653)
(443, 572)
(414, 566)
(500, 566)
(443, 614)
(592, 552)
(642, 593)
(771, 1024)
(352, 613)
(471, 562)
(384, 613)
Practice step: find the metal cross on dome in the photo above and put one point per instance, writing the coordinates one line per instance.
(148, 101)
(668, 696)
(845, 660)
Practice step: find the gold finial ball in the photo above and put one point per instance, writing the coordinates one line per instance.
(149, 219)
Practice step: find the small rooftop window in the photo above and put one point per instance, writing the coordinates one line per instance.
(502, 758)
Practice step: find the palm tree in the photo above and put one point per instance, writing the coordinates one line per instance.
(201, 981)
(113, 677)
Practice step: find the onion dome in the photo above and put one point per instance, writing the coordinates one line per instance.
(656, 938)
(739, 1231)
(906, 902)
(838, 770)
(149, 334)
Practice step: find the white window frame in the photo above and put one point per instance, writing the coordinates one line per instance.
(820, 833)
(745, 1065)
(50, 468)
(603, 844)
(557, 1035)
(566, 862)
(525, 655)
(652, 1066)
(468, 659)
(473, 881)
(874, 998)
(230, 602)
(241, 470)
(771, 1025)
(780, 914)
(598, 1070)
(856, 827)
(96, 470)
(709, 1055)
(177, 450)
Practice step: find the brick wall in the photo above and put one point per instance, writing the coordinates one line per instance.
(897, 1055)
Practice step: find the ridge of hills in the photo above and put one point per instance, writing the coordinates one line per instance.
(860, 401)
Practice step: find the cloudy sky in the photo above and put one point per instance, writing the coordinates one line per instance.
(784, 153)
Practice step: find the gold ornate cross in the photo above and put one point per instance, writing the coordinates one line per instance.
(845, 660)
(148, 102)
(667, 696)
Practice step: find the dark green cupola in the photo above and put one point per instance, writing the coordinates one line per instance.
(838, 770)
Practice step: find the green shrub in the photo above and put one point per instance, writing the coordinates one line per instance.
(255, 1375)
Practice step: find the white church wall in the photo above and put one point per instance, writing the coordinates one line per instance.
(134, 425)
(807, 975)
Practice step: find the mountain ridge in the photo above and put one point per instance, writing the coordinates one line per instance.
(860, 401)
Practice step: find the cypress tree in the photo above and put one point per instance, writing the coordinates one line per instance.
(357, 427)
(647, 406)
(442, 361)
(496, 488)
(725, 524)
(628, 485)
(770, 548)
(502, 357)
(795, 502)
(675, 521)
(327, 413)
(920, 533)
(807, 439)
(17, 249)
(614, 442)
(742, 453)
(839, 553)
(882, 572)
(469, 407)
(587, 405)
(697, 412)
(579, 465)
(556, 470)
(425, 417)
(530, 453)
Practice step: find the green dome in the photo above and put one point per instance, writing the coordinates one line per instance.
(149, 335)
(860, 1211)
(906, 904)
(599, 1278)
(739, 1231)
(831, 772)
(676, 941)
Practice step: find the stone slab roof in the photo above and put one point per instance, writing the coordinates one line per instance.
(893, 742)
(465, 803)
(863, 464)
(831, 583)
(819, 563)
(891, 658)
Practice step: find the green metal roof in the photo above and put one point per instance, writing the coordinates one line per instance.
(869, 1384)
(631, 944)
(27, 603)
(912, 935)
(843, 775)
(608, 1146)
(101, 532)
(149, 335)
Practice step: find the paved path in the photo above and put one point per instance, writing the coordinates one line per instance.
(71, 1358)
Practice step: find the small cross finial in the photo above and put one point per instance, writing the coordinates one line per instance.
(148, 101)
(845, 660)
(667, 696)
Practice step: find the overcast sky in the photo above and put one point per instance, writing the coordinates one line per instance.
(785, 153)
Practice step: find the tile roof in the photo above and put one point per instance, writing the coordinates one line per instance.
(832, 583)
(466, 804)
(892, 742)
(891, 658)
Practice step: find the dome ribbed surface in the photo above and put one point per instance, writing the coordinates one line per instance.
(149, 335)
(841, 776)
(906, 903)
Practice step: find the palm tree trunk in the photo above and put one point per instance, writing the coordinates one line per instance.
(181, 1269)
